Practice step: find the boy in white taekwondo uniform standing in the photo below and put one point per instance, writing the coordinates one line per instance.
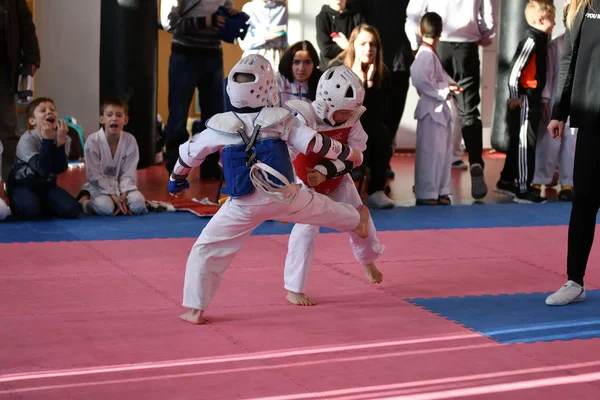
(111, 159)
(335, 113)
(254, 141)
(551, 153)
(433, 158)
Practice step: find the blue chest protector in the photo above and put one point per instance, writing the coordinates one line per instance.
(237, 161)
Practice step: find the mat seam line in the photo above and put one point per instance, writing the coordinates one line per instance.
(131, 275)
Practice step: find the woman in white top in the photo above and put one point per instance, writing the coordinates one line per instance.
(298, 74)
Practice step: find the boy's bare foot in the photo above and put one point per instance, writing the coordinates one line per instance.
(362, 230)
(373, 274)
(195, 317)
(299, 299)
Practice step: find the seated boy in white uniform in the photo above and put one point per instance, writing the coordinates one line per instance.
(335, 113)
(111, 159)
(259, 178)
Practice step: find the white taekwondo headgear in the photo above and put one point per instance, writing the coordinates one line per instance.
(262, 92)
(339, 89)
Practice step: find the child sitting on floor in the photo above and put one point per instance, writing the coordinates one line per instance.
(111, 159)
(42, 154)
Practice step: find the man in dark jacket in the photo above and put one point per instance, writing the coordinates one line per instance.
(18, 46)
(334, 25)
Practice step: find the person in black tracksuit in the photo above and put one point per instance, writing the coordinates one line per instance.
(578, 97)
(331, 20)
(526, 81)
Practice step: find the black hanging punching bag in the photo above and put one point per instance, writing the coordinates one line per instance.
(511, 28)
(128, 66)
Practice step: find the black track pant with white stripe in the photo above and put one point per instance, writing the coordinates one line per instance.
(522, 125)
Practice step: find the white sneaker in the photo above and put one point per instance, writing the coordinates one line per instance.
(380, 200)
(570, 292)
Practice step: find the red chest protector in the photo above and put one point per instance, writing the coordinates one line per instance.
(304, 161)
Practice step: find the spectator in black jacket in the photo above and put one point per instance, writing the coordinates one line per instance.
(334, 25)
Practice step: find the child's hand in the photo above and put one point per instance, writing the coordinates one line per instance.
(514, 103)
(176, 187)
(545, 112)
(61, 132)
(233, 11)
(47, 130)
(455, 89)
(123, 199)
(314, 177)
(556, 128)
(120, 205)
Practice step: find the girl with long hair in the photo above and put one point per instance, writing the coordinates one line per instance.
(364, 55)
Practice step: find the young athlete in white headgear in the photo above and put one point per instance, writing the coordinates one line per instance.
(335, 113)
(259, 178)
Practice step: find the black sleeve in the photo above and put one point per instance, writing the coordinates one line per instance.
(326, 44)
(60, 162)
(564, 88)
(30, 49)
(42, 163)
(525, 51)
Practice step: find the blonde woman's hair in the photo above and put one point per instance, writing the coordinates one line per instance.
(347, 56)
(538, 9)
(575, 8)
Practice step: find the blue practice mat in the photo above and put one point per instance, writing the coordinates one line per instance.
(183, 224)
(520, 318)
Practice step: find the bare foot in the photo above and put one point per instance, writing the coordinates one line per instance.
(373, 274)
(362, 230)
(195, 317)
(299, 299)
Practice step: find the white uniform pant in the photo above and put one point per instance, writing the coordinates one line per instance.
(103, 204)
(301, 246)
(433, 159)
(554, 153)
(227, 231)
